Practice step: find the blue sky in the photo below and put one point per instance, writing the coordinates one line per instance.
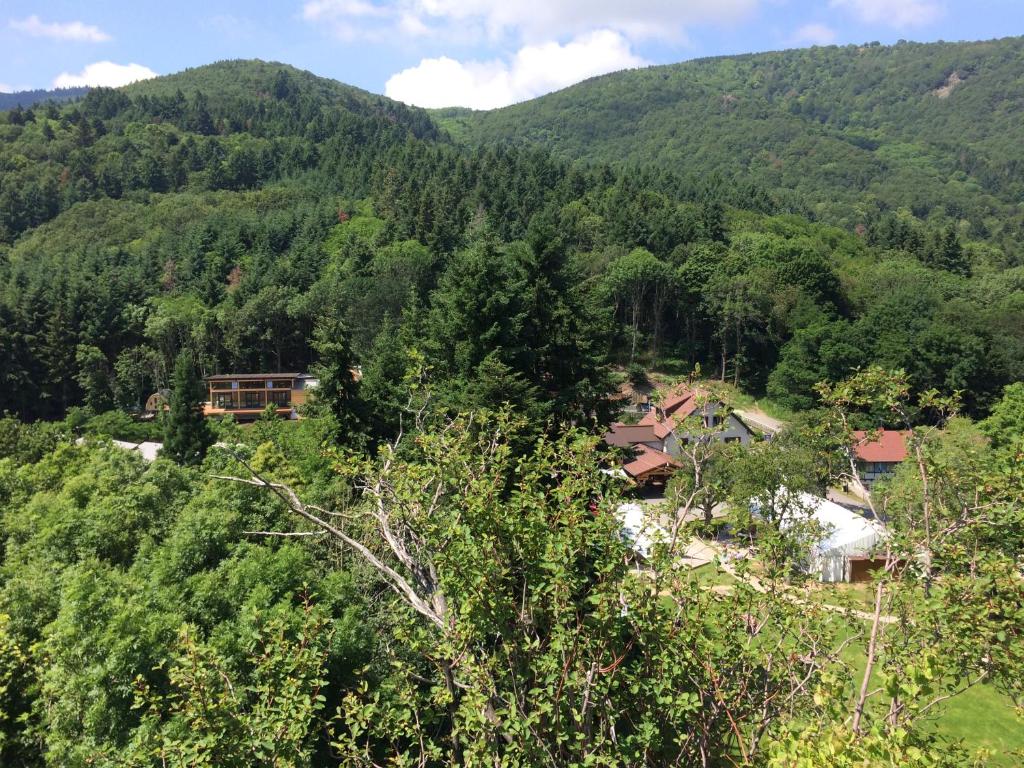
(478, 53)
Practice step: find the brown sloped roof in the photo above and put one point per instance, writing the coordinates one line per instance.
(621, 435)
(661, 428)
(889, 445)
(683, 401)
(648, 459)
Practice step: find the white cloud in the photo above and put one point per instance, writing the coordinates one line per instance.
(70, 30)
(555, 18)
(5, 88)
(531, 20)
(534, 70)
(815, 34)
(893, 13)
(320, 10)
(104, 73)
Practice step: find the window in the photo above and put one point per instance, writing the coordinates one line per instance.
(253, 399)
(223, 400)
(279, 397)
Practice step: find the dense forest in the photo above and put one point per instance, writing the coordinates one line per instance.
(427, 569)
(231, 208)
(26, 99)
(846, 135)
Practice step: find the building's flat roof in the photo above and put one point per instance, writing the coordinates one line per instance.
(230, 376)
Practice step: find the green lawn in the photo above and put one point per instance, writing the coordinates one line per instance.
(980, 718)
(711, 574)
(984, 718)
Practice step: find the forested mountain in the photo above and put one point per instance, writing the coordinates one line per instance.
(843, 133)
(429, 568)
(231, 208)
(26, 99)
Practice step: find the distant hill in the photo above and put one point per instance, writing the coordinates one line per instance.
(234, 125)
(937, 127)
(231, 209)
(26, 99)
(232, 85)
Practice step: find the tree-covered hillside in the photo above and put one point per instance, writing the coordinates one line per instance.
(845, 133)
(232, 209)
(26, 99)
(429, 567)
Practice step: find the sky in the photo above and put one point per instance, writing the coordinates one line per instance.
(436, 53)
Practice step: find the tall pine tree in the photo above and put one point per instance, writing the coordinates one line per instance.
(337, 393)
(186, 433)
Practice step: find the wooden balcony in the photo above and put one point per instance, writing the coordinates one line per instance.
(247, 395)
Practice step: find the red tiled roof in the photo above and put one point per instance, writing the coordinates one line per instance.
(889, 447)
(684, 401)
(661, 428)
(648, 459)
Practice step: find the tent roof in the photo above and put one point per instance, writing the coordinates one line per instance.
(844, 527)
(638, 531)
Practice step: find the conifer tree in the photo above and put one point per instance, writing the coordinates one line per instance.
(186, 433)
(337, 392)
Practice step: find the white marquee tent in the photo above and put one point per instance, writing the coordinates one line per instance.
(846, 535)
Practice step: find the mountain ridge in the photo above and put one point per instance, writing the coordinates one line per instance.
(841, 126)
(29, 98)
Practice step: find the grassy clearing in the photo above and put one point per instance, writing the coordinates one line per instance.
(980, 718)
(745, 401)
(984, 718)
(711, 575)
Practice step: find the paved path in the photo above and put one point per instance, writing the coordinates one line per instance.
(756, 584)
(697, 553)
(845, 499)
(757, 418)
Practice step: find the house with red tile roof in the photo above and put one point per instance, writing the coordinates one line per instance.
(650, 465)
(878, 453)
(660, 436)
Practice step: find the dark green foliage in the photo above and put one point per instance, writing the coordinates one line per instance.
(847, 132)
(121, 426)
(186, 433)
(337, 391)
(94, 377)
(227, 209)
